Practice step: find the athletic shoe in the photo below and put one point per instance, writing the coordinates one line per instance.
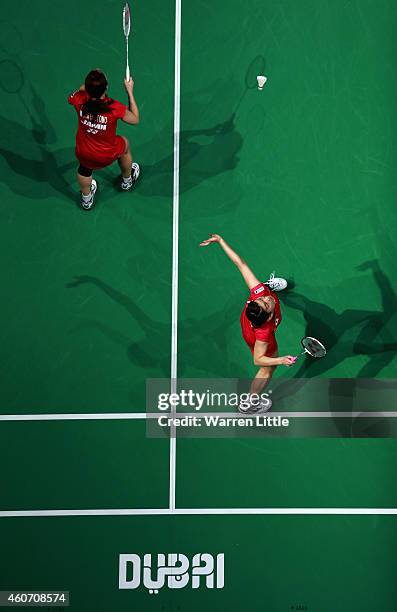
(87, 204)
(127, 184)
(276, 284)
(257, 408)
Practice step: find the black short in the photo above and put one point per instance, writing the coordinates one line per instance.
(83, 171)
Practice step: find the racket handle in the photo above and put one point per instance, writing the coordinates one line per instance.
(300, 355)
(127, 73)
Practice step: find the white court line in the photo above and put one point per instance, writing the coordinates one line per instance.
(198, 512)
(175, 242)
(98, 416)
(92, 416)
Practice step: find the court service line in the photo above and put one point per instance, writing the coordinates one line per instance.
(198, 512)
(99, 416)
(92, 416)
(175, 243)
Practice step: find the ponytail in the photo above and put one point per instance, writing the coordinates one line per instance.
(94, 107)
(95, 86)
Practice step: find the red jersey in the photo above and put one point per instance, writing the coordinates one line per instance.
(97, 144)
(266, 332)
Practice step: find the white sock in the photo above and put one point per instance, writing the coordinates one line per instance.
(87, 198)
(128, 179)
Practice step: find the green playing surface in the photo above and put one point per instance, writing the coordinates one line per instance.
(299, 178)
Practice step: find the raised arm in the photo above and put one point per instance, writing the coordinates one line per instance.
(132, 113)
(246, 272)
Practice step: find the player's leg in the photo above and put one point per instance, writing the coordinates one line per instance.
(88, 186)
(262, 378)
(85, 183)
(125, 161)
(130, 170)
(258, 384)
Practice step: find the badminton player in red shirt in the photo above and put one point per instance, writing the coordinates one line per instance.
(97, 144)
(259, 321)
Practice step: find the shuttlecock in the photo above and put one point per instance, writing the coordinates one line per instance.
(261, 81)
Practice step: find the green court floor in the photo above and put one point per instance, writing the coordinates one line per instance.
(81, 316)
(299, 178)
(305, 561)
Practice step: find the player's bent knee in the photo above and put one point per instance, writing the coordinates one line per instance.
(83, 171)
(127, 145)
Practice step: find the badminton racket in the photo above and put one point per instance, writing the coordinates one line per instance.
(11, 41)
(126, 29)
(12, 81)
(312, 347)
(11, 77)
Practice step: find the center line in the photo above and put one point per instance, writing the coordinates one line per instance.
(175, 239)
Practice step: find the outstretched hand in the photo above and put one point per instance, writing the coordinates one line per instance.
(368, 265)
(211, 239)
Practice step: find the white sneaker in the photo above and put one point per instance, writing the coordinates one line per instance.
(276, 284)
(127, 184)
(88, 202)
(256, 408)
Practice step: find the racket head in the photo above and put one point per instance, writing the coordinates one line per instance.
(11, 41)
(11, 77)
(256, 67)
(314, 347)
(126, 19)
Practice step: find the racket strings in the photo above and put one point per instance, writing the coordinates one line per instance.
(126, 29)
(314, 347)
(126, 20)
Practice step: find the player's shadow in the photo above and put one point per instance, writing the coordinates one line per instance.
(25, 153)
(378, 337)
(204, 153)
(203, 350)
(43, 131)
(346, 395)
(375, 339)
(208, 149)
